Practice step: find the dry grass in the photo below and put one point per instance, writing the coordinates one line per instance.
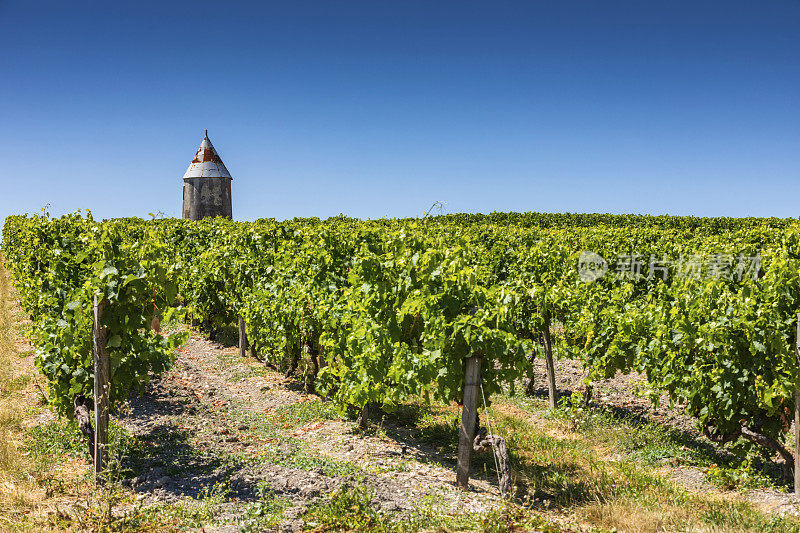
(17, 490)
(583, 476)
(30, 488)
(576, 474)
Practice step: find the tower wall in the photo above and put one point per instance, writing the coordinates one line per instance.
(206, 197)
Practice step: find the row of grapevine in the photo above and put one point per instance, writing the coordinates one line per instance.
(389, 309)
(59, 267)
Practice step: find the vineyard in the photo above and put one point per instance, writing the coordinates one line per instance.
(373, 314)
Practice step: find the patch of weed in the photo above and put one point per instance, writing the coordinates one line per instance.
(735, 516)
(347, 509)
(301, 413)
(741, 476)
(56, 439)
(266, 512)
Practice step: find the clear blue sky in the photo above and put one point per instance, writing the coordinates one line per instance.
(380, 108)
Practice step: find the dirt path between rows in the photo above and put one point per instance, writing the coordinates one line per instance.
(217, 419)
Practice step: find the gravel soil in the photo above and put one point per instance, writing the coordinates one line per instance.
(629, 393)
(217, 419)
(206, 418)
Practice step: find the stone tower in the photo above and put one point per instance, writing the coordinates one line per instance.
(207, 185)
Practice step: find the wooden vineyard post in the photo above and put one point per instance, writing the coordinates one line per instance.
(101, 390)
(797, 418)
(363, 417)
(797, 442)
(242, 338)
(548, 356)
(469, 414)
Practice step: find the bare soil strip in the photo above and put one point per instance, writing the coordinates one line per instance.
(217, 419)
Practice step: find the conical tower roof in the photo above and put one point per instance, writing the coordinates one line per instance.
(207, 163)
